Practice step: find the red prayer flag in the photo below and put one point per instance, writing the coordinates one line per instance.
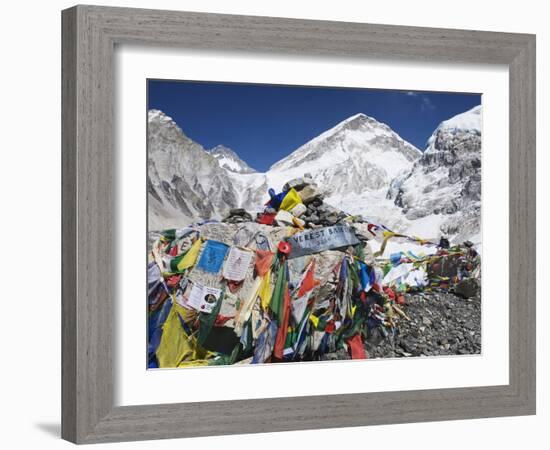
(389, 292)
(266, 219)
(173, 280)
(356, 349)
(279, 347)
(309, 282)
(263, 261)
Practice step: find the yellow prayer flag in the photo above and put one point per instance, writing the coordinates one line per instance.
(265, 290)
(292, 198)
(314, 320)
(191, 256)
(176, 348)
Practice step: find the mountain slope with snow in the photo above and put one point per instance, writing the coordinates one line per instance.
(354, 164)
(446, 180)
(229, 160)
(361, 165)
(358, 154)
(185, 182)
(468, 121)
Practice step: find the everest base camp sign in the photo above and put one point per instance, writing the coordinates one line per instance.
(315, 241)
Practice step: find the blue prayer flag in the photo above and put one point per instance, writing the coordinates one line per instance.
(212, 256)
(395, 258)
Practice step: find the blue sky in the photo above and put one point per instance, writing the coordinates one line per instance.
(264, 123)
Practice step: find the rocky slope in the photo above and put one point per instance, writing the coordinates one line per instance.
(359, 156)
(362, 166)
(185, 182)
(437, 324)
(229, 160)
(441, 323)
(446, 180)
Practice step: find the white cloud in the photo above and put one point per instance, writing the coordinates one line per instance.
(425, 103)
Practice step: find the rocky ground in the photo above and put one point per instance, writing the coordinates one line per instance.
(441, 323)
(428, 324)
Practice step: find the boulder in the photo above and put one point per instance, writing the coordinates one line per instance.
(284, 218)
(468, 288)
(309, 194)
(238, 215)
(298, 210)
(238, 212)
(330, 218)
(298, 183)
(314, 218)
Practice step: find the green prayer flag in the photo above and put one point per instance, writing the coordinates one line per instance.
(277, 298)
(206, 321)
(175, 261)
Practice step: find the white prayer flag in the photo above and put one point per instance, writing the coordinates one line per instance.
(236, 265)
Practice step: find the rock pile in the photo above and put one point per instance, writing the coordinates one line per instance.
(301, 283)
(238, 215)
(311, 212)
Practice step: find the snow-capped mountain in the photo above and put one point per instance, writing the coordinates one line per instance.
(446, 180)
(229, 160)
(469, 121)
(358, 154)
(361, 165)
(354, 164)
(185, 182)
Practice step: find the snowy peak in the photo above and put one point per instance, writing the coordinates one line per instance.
(445, 183)
(357, 155)
(356, 134)
(155, 115)
(162, 127)
(185, 182)
(361, 166)
(351, 123)
(158, 120)
(468, 122)
(229, 160)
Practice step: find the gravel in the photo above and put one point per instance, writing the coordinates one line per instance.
(441, 324)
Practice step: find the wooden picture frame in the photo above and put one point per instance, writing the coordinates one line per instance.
(90, 34)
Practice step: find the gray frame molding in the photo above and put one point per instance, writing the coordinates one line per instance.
(89, 37)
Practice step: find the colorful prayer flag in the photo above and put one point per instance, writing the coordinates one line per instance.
(212, 256)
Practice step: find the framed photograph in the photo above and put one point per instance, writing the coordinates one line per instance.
(277, 224)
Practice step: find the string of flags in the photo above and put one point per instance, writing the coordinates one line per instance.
(281, 293)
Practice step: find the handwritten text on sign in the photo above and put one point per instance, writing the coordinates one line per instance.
(315, 241)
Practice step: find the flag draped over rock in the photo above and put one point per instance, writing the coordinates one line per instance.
(253, 292)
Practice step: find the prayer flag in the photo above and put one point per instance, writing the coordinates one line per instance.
(237, 263)
(355, 344)
(180, 263)
(264, 258)
(283, 328)
(212, 256)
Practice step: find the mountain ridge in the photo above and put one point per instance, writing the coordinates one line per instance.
(229, 160)
(362, 166)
